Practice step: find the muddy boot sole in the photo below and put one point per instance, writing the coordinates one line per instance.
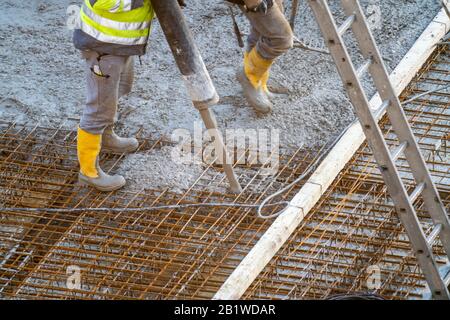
(256, 98)
(85, 181)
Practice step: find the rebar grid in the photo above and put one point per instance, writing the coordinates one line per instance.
(353, 232)
(189, 253)
(164, 254)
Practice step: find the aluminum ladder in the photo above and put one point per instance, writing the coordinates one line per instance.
(386, 158)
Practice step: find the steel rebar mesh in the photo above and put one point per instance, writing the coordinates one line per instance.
(189, 253)
(164, 254)
(353, 232)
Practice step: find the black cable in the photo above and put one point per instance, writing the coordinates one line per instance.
(355, 296)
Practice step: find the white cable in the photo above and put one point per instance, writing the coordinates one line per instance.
(426, 93)
(260, 207)
(175, 206)
(296, 181)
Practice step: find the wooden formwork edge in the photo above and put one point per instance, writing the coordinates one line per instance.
(283, 227)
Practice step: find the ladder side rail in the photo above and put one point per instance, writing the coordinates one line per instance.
(379, 148)
(399, 121)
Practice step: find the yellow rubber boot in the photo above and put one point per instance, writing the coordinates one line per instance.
(256, 68)
(251, 77)
(88, 147)
(264, 81)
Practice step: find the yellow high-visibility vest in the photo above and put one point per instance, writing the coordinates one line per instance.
(116, 21)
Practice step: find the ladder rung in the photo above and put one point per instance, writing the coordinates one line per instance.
(347, 24)
(417, 191)
(398, 151)
(363, 68)
(436, 231)
(381, 109)
(447, 280)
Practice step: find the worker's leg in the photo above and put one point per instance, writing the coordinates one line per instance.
(111, 141)
(127, 77)
(275, 33)
(255, 36)
(270, 37)
(289, 42)
(102, 76)
(252, 39)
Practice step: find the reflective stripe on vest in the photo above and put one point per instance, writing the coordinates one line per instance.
(116, 6)
(135, 31)
(122, 5)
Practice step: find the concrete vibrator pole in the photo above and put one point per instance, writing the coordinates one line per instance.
(196, 78)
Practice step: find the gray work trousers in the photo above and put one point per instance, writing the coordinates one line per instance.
(270, 33)
(108, 78)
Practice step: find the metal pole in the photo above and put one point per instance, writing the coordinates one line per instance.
(196, 78)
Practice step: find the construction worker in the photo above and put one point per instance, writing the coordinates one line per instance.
(270, 37)
(110, 33)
